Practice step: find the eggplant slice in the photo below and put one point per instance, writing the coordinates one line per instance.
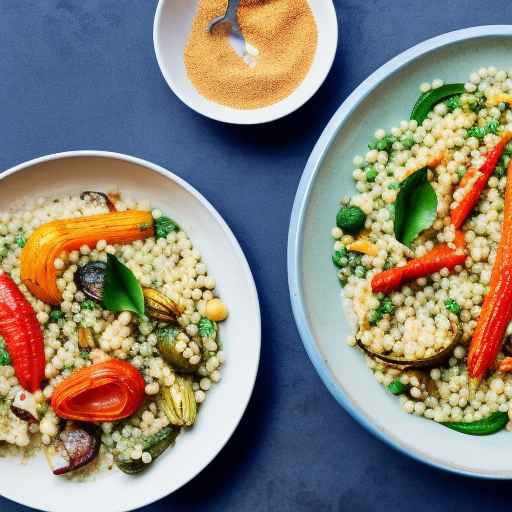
(77, 445)
(90, 278)
(428, 362)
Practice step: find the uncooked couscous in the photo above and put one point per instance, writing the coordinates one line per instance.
(423, 252)
(109, 336)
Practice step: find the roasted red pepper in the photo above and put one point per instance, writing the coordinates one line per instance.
(441, 256)
(107, 391)
(468, 202)
(496, 311)
(22, 334)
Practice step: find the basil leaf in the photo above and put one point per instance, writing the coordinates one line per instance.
(415, 207)
(121, 290)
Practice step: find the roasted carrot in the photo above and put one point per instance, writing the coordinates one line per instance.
(496, 311)
(505, 365)
(460, 213)
(441, 256)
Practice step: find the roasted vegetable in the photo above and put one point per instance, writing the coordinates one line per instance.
(160, 307)
(441, 256)
(85, 338)
(24, 406)
(169, 347)
(50, 240)
(350, 219)
(460, 213)
(435, 360)
(496, 312)
(90, 278)
(22, 334)
(155, 445)
(490, 425)
(108, 391)
(179, 403)
(76, 446)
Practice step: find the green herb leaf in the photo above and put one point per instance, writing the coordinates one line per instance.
(396, 387)
(452, 306)
(88, 305)
(207, 328)
(428, 100)
(415, 207)
(490, 425)
(4, 355)
(121, 290)
(20, 239)
(164, 226)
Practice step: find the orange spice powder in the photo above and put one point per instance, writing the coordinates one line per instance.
(284, 32)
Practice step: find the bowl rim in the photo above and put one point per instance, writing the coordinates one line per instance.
(240, 254)
(228, 114)
(296, 233)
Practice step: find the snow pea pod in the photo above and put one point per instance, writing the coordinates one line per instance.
(490, 425)
(428, 100)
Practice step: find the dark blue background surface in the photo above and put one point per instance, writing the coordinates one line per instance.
(81, 74)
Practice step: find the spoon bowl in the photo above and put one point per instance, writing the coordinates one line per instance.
(172, 25)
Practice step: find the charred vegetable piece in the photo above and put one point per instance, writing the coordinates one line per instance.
(167, 341)
(427, 101)
(108, 391)
(50, 240)
(490, 425)
(99, 198)
(85, 338)
(179, 403)
(77, 445)
(428, 362)
(90, 279)
(160, 307)
(22, 333)
(24, 406)
(155, 445)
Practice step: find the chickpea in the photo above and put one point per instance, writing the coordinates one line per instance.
(216, 310)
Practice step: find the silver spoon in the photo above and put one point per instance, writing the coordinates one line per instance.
(229, 16)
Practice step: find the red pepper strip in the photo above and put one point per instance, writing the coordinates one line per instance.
(441, 256)
(22, 334)
(107, 391)
(505, 365)
(491, 327)
(463, 209)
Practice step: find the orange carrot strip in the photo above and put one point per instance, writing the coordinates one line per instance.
(463, 209)
(505, 365)
(441, 256)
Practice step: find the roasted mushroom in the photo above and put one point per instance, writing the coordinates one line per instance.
(90, 278)
(24, 406)
(428, 362)
(77, 445)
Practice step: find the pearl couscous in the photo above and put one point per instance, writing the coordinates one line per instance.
(416, 334)
(173, 348)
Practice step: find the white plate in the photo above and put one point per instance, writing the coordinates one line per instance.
(173, 21)
(382, 100)
(33, 484)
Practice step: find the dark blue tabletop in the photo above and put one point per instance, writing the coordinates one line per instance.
(78, 74)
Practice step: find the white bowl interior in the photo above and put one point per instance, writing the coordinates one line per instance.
(342, 367)
(173, 21)
(32, 484)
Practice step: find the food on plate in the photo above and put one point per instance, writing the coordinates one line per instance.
(423, 252)
(109, 332)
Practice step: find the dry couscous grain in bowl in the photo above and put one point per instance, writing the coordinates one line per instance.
(109, 332)
(423, 253)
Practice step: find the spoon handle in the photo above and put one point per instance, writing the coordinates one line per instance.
(232, 9)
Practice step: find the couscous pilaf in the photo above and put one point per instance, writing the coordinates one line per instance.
(109, 335)
(423, 253)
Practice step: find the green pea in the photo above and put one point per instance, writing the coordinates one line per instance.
(397, 387)
(371, 174)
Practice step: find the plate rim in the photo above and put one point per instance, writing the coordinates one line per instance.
(240, 253)
(296, 233)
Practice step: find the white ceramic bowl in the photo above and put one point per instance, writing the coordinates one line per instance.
(33, 484)
(173, 21)
(383, 100)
